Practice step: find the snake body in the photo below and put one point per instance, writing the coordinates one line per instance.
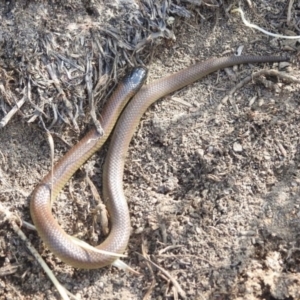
(125, 122)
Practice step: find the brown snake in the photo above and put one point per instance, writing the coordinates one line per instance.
(127, 120)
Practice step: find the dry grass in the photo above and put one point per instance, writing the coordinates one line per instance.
(213, 189)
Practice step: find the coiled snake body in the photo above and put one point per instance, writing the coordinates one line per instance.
(126, 121)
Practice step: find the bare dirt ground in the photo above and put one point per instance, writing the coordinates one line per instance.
(213, 187)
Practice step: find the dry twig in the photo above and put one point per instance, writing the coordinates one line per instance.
(248, 79)
(89, 87)
(12, 112)
(248, 24)
(153, 281)
(289, 12)
(169, 277)
(12, 219)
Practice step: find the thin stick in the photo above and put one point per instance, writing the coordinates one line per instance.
(51, 145)
(12, 220)
(89, 87)
(12, 112)
(254, 75)
(247, 23)
(289, 12)
(169, 276)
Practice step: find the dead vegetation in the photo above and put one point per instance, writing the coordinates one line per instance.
(212, 184)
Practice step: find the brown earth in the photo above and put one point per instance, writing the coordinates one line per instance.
(213, 188)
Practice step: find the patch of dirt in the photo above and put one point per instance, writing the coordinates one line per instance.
(213, 189)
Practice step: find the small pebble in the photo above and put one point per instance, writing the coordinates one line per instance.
(237, 147)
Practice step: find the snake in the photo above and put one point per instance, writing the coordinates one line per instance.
(121, 115)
